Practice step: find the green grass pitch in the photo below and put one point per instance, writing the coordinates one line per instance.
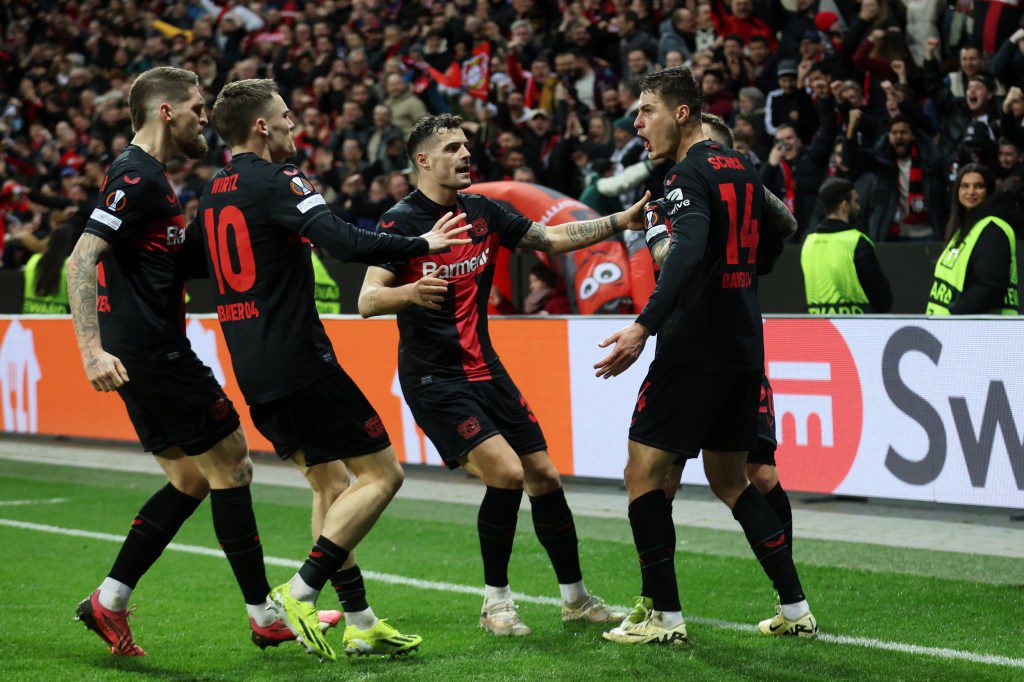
(192, 622)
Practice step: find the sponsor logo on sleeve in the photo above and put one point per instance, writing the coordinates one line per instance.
(113, 222)
(301, 186)
(309, 202)
(132, 181)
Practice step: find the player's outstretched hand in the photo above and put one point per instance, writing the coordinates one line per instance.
(445, 232)
(629, 344)
(633, 217)
(104, 371)
(429, 292)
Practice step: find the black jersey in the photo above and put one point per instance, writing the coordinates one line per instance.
(704, 308)
(141, 292)
(452, 343)
(256, 220)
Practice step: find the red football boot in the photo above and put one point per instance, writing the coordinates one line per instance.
(111, 626)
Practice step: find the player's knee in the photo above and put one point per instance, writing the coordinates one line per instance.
(541, 477)
(507, 475)
(763, 476)
(191, 483)
(393, 480)
(241, 474)
(727, 491)
(328, 491)
(671, 488)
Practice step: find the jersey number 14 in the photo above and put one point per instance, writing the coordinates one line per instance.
(740, 236)
(230, 220)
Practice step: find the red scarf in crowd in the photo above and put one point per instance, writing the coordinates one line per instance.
(789, 184)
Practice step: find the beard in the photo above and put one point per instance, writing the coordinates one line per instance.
(192, 145)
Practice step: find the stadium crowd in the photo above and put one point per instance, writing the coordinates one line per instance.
(894, 95)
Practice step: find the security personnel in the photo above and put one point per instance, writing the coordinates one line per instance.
(46, 288)
(841, 271)
(325, 289)
(977, 271)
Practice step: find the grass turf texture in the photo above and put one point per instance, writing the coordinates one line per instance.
(192, 622)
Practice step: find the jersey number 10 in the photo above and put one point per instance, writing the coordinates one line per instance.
(744, 236)
(230, 219)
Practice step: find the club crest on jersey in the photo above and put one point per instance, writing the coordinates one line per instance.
(220, 409)
(469, 428)
(479, 227)
(116, 200)
(301, 186)
(374, 427)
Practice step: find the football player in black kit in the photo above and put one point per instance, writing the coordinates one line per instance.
(131, 332)
(703, 388)
(778, 224)
(459, 392)
(257, 219)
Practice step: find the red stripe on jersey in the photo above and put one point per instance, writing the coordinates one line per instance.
(467, 309)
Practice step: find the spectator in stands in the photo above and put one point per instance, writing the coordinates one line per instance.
(633, 37)
(788, 104)
(741, 21)
(793, 172)
(976, 273)
(546, 293)
(972, 116)
(406, 107)
(762, 67)
(717, 100)
(678, 34)
(907, 200)
(1010, 161)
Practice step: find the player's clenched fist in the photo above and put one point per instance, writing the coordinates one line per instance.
(105, 372)
(445, 232)
(428, 292)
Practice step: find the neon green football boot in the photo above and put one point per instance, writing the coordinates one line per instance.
(302, 619)
(380, 640)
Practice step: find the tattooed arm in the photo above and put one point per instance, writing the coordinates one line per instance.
(577, 235)
(660, 252)
(380, 296)
(104, 371)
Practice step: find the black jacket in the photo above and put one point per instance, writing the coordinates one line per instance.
(808, 168)
(880, 206)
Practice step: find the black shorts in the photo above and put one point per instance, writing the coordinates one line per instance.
(764, 453)
(187, 409)
(329, 419)
(684, 410)
(457, 416)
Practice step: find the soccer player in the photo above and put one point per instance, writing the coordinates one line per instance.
(131, 333)
(702, 390)
(459, 392)
(256, 220)
(761, 468)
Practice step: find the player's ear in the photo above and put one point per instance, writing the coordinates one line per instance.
(165, 112)
(682, 114)
(261, 127)
(423, 161)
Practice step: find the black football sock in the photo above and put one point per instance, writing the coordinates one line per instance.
(152, 530)
(552, 520)
(235, 525)
(767, 539)
(496, 525)
(779, 501)
(650, 516)
(348, 583)
(324, 560)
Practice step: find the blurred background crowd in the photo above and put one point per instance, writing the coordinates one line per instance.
(894, 95)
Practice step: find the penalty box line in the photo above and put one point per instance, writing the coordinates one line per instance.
(934, 652)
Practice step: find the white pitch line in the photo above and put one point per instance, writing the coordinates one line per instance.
(936, 652)
(20, 503)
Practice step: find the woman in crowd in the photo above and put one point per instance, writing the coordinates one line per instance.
(977, 271)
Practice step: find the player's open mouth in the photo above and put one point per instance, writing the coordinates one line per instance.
(462, 170)
(647, 144)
